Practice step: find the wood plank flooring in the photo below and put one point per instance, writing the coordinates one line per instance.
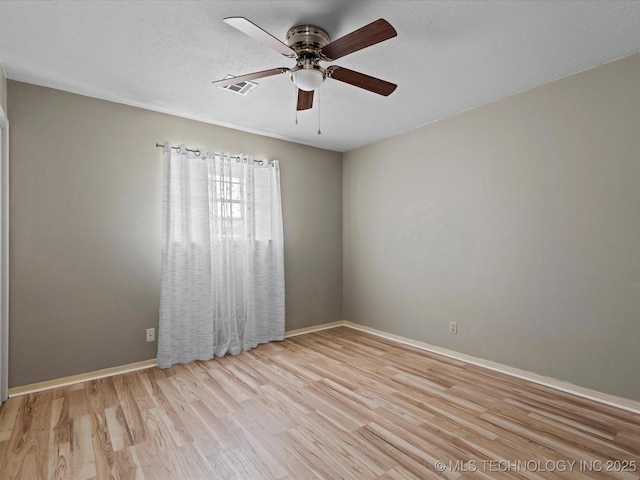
(334, 404)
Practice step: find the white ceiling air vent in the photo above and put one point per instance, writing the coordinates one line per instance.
(241, 88)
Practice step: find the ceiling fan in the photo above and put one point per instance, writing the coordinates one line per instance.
(309, 45)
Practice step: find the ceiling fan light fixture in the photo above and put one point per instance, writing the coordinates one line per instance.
(308, 79)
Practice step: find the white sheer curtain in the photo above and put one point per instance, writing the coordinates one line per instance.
(222, 288)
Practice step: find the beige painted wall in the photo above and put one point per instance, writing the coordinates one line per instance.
(85, 228)
(3, 89)
(520, 220)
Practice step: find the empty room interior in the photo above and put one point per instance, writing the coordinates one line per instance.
(319, 240)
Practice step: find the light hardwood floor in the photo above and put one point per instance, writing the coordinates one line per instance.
(335, 404)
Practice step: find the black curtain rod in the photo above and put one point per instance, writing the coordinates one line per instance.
(198, 152)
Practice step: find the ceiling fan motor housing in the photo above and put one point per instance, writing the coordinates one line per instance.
(307, 40)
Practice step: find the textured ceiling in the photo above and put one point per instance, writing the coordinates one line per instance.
(448, 57)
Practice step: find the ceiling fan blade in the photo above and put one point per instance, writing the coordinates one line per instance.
(357, 79)
(375, 32)
(254, 31)
(305, 99)
(249, 76)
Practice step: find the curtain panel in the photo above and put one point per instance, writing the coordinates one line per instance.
(222, 280)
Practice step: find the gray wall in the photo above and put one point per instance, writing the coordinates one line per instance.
(85, 228)
(520, 220)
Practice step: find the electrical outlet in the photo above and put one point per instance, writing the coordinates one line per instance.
(151, 334)
(453, 328)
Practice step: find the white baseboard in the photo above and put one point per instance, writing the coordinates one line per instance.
(314, 328)
(131, 367)
(615, 401)
(81, 377)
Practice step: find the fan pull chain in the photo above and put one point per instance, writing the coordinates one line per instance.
(318, 103)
